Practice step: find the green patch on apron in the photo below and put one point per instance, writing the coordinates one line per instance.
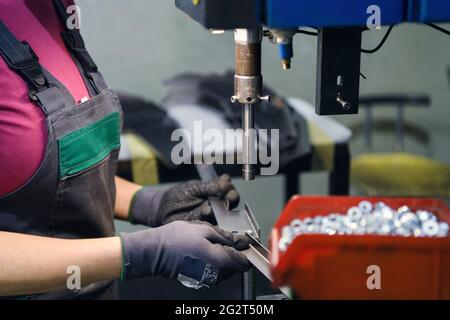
(88, 146)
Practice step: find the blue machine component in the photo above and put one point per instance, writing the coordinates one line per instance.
(331, 13)
(282, 14)
(339, 24)
(429, 10)
(286, 51)
(323, 13)
(284, 38)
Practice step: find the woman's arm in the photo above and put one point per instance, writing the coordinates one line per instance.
(30, 264)
(125, 190)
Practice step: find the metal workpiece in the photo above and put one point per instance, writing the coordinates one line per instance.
(236, 221)
(240, 222)
(367, 219)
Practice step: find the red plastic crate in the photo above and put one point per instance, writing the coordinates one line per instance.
(335, 267)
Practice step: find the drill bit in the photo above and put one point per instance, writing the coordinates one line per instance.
(248, 124)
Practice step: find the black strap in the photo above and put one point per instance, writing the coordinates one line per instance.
(75, 44)
(20, 57)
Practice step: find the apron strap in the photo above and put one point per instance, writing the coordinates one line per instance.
(21, 58)
(75, 44)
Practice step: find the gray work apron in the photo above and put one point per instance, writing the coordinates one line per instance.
(72, 194)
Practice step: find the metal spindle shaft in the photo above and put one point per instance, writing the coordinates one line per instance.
(247, 90)
(248, 124)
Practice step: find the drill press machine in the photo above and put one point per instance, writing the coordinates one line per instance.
(338, 25)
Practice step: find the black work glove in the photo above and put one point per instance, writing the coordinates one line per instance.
(196, 253)
(186, 202)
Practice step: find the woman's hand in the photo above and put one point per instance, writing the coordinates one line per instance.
(185, 202)
(184, 250)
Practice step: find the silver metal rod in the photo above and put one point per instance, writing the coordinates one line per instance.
(248, 125)
(248, 286)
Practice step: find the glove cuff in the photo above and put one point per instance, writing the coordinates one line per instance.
(125, 260)
(136, 262)
(144, 207)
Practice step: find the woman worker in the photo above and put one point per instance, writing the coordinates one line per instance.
(59, 144)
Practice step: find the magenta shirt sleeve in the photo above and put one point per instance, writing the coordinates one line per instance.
(23, 133)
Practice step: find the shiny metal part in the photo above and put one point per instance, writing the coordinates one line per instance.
(249, 147)
(365, 206)
(248, 36)
(283, 244)
(367, 219)
(426, 215)
(343, 103)
(296, 226)
(247, 89)
(430, 228)
(403, 209)
(443, 229)
(354, 213)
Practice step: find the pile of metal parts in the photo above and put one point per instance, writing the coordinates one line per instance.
(367, 219)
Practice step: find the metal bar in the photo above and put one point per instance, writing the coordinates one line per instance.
(258, 255)
(237, 221)
(253, 221)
